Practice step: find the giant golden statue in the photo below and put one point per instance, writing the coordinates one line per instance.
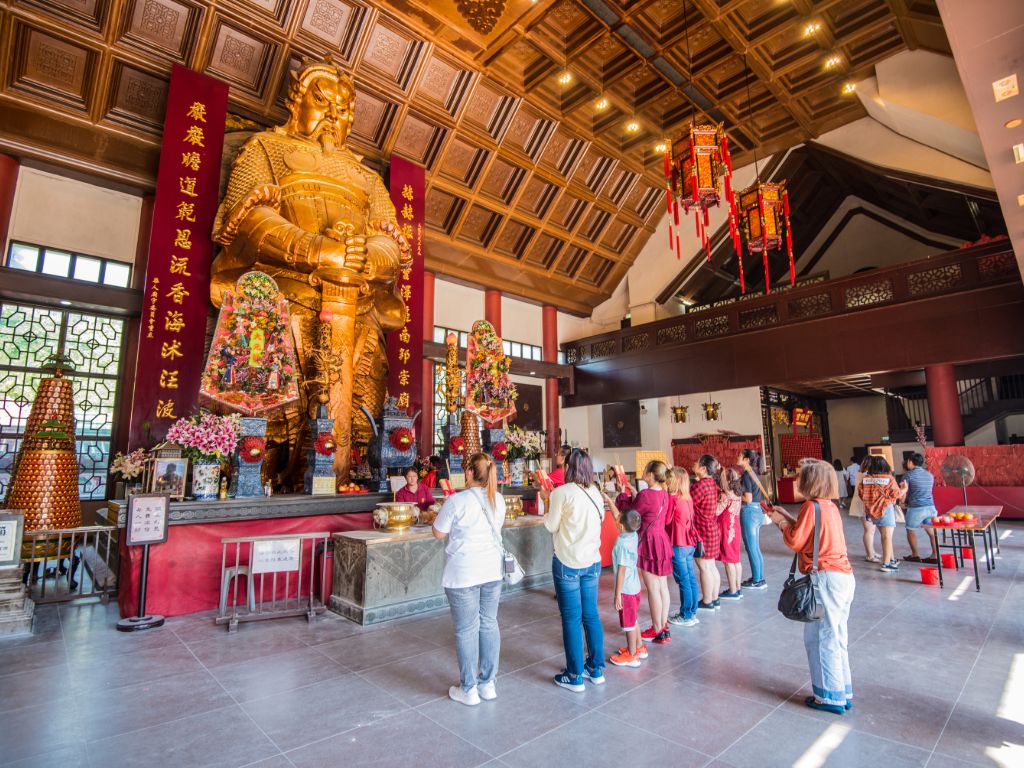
(302, 208)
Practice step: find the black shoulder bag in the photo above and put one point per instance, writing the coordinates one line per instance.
(799, 599)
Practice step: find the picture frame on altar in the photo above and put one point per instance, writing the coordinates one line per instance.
(168, 477)
(12, 529)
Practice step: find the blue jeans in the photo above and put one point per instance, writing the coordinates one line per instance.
(918, 515)
(576, 590)
(826, 639)
(684, 571)
(750, 525)
(477, 639)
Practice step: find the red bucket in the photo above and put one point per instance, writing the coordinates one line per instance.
(949, 560)
(967, 554)
(929, 575)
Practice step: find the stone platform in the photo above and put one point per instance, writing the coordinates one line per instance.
(382, 575)
(17, 611)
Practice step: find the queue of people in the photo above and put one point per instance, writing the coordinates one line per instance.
(669, 527)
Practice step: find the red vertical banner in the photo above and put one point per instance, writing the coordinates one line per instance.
(177, 289)
(405, 346)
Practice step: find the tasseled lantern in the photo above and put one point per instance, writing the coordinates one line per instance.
(764, 221)
(695, 171)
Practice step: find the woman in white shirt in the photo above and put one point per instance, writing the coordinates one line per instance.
(471, 520)
(574, 517)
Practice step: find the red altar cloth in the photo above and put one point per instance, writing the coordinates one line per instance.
(184, 572)
(1010, 496)
(787, 490)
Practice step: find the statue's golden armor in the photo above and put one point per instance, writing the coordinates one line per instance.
(305, 210)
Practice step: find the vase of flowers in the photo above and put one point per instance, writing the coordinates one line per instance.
(522, 447)
(129, 468)
(207, 439)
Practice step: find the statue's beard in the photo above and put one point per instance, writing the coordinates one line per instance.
(329, 135)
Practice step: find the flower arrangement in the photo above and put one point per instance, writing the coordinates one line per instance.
(499, 451)
(457, 445)
(523, 444)
(129, 466)
(251, 365)
(489, 392)
(252, 449)
(401, 438)
(324, 444)
(206, 436)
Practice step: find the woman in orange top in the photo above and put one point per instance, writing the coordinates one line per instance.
(825, 639)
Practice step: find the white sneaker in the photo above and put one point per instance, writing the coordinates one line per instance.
(690, 622)
(470, 698)
(488, 691)
(596, 679)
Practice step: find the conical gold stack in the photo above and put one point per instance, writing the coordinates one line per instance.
(45, 481)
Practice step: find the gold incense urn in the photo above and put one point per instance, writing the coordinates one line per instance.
(394, 515)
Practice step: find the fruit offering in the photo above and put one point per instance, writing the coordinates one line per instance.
(350, 488)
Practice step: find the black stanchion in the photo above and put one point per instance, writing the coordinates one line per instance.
(141, 621)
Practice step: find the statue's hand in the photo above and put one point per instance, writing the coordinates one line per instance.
(355, 253)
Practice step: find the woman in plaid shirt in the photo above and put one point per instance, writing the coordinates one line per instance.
(705, 522)
(879, 491)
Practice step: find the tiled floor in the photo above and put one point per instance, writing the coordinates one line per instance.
(939, 680)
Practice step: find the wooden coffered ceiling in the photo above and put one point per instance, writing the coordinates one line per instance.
(531, 188)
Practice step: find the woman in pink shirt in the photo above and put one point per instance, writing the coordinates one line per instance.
(415, 492)
(679, 527)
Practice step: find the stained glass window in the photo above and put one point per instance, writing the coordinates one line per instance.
(30, 334)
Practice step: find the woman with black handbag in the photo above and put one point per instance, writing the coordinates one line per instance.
(816, 536)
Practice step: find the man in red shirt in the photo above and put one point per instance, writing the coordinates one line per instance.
(557, 475)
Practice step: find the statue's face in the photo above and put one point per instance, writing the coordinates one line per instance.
(325, 112)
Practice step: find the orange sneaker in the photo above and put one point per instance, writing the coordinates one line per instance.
(641, 651)
(625, 659)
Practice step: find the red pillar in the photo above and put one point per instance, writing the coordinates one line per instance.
(426, 437)
(944, 405)
(8, 182)
(549, 320)
(492, 309)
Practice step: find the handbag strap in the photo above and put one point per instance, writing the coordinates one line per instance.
(600, 512)
(757, 481)
(490, 521)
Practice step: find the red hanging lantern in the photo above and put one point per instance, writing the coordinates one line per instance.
(764, 223)
(695, 171)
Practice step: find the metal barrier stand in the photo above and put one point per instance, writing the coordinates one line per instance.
(295, 558)
(52, 558)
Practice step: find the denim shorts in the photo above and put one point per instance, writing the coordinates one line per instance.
(887, 520)
(918, 515)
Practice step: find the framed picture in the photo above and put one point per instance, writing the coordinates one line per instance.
(147, 519)
(12, 528)
(169, 477)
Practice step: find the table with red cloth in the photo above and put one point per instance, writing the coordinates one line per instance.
(185, 571)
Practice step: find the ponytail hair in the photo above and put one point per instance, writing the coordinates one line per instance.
(485, 474)
(658, 470)
(710, 464)
(756, 460)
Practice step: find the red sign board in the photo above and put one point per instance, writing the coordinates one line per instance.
(177, 290)
(405, 346)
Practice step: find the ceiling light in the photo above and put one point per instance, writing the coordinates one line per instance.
(1014, 123)
(601, 103)
(632, 126)
(811, 28)
(1018, 153)
(832, 62)
(849, 88)
(1005, 88)
(565, 77)
(661, 147)
(685, 301)
(533, 373)
(65, 302)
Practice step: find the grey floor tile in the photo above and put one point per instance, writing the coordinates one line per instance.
(94, 674)
(418, 679)
(761, 680)
(786, 738)
(410, 739)
(24, 657)
(704, 719)
(145, 704)
(372, 649)
(535, 708)
(227, 649)
(278, 761)
(67, 755)
(279, 672)
(31, 732)
(45, 685)
(223, 738)
(298, 717)
(939, 760)
(596, 740)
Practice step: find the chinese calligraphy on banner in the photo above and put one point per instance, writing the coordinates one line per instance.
(177, 291)
(405, 346)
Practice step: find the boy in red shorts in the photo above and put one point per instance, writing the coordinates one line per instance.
(627, 589)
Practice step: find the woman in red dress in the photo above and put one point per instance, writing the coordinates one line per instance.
(729, 504)
(654, 551)
(415, 492)
(705, 521)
